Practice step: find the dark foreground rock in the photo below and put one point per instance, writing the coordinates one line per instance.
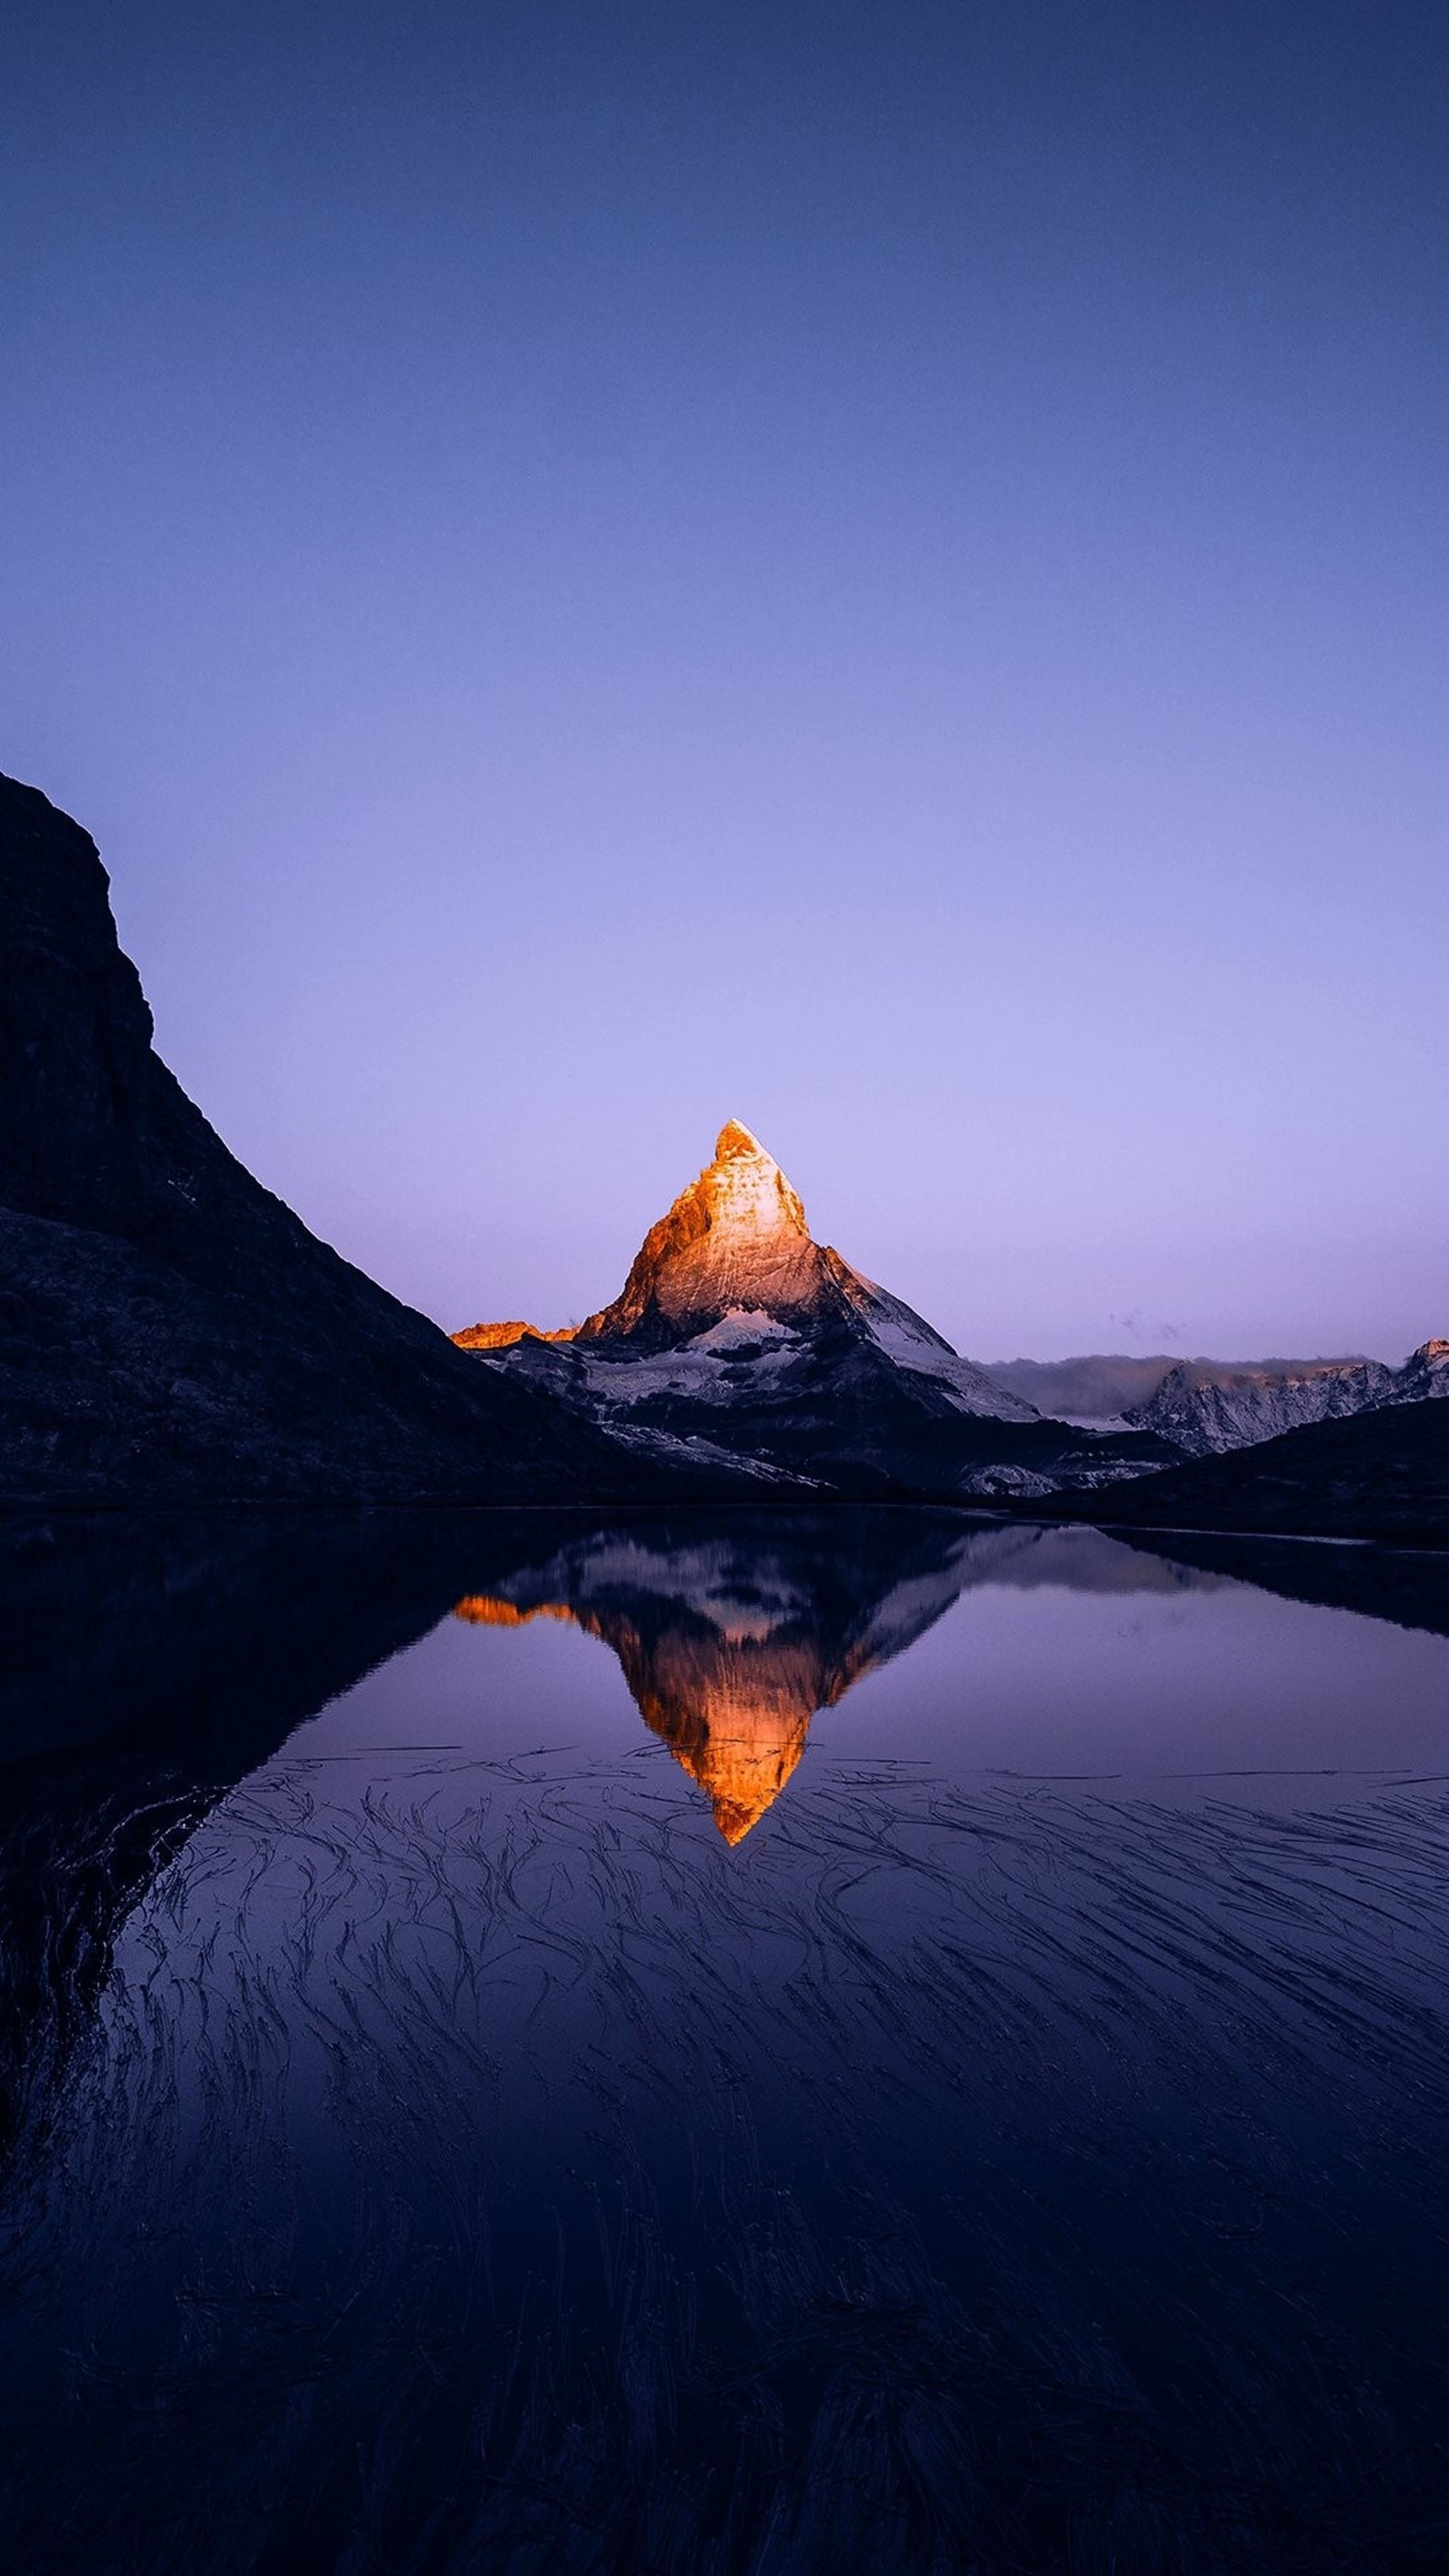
(1381, 1475)
(169, 1331)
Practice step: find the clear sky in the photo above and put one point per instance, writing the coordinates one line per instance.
(875, 569)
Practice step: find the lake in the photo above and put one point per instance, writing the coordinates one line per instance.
(880, 2042)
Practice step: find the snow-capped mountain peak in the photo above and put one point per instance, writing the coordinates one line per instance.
(729, 1289)
(743, 1191)
(736, 1238)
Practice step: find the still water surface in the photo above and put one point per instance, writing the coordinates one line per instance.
(879, 2044)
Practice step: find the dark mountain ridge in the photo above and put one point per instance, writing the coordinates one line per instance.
(168, 1329)
(1382, 1474)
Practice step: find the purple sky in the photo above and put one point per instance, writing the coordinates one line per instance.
(876, 570)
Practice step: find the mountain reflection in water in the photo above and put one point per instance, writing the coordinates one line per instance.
(730, 1643)
(733, 1708)
(427, 2147)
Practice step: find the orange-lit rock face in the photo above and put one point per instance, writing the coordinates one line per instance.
(732, 1630)
(736, 1238)
(501, 1337)
(732, 1280)
(481, 1610)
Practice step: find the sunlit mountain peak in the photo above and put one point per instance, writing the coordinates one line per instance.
(731, 1305)
(736, 1138)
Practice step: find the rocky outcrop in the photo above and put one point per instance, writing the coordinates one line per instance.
(169, 1331)
(1207, 1406)
(1423, 1377)
(736, 1327)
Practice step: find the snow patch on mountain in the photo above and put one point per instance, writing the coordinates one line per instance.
(741, 1331)
(911, 1343)
(1424, 1377)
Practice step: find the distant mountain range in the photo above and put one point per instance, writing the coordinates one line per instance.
(1207, 1407)
(1204, 1406)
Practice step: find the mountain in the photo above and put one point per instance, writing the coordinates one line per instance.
(169, 1331)
(734, 1326)
(1382, 1474)
(1204, 1406)
(733, 1268)
(1423, 1377)
(1208, 1405)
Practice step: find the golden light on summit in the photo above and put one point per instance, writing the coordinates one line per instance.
(736, 1234)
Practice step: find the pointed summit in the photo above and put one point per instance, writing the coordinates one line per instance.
(735, 1239)
(735, 1138)
(733, 1275)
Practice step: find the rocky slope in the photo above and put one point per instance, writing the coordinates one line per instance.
(1207, 1406)
(1423, 1378)
(169, 1331)
(735, 1326)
